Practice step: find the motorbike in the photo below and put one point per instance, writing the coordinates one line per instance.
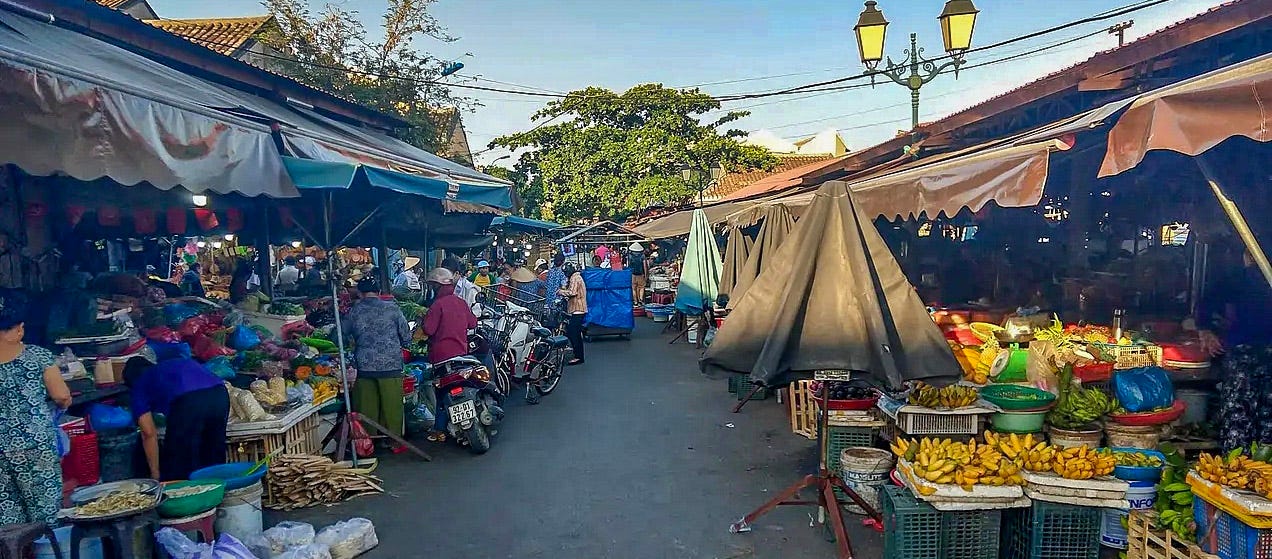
(483, 342)
(474, 409)
(546, 362)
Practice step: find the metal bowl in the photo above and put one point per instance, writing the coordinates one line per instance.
(88, 494)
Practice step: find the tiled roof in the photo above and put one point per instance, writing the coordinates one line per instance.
(786, 179)
(225, 35)
(454, 139)
(733, 181)
(113, 4)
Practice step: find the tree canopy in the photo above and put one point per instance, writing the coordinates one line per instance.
(619, 153)
(331, 50)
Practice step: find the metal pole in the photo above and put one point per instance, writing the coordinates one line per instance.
(915, 82)
(1238, 221)
(340, 341)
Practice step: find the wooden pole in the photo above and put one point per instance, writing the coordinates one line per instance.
(1238, 221)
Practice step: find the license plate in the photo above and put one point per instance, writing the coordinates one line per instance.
(463, 411)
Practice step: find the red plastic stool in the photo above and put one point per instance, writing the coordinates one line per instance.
(200, 524)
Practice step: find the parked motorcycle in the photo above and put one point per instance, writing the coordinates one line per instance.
(474, 409)
(546, 362)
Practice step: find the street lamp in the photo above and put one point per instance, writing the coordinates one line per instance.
(958, 19)
(696, 177)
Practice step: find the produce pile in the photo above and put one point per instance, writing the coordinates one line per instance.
(298, 480)
(1245, 397)
(950, 397)
(1174, 496)
(964, 465)
(1137, 460)
(115, 503)
(1238, 470)
(843, 390)
(1037, 456)
(1077, 407)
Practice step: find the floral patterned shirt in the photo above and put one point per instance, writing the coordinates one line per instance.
(26, 415)
(379, 332)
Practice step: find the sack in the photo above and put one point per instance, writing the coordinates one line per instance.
(243, 338)
(1143, 389)
(348, 539)
(178, 546)
(283, 536)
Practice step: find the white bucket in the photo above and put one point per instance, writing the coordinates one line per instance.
(865, 470)
(240, 513)
(90, 548)
(1142, 495)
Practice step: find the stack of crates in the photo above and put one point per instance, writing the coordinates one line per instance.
(1051, 531)
(912, 529)
(1227, 536)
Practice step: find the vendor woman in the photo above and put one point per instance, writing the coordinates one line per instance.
(30, 385)
(196, 405)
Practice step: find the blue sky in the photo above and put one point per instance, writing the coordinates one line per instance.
(559, 45)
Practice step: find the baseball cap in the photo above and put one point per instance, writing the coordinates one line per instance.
(483, 264)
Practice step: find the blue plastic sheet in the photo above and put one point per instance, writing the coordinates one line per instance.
(609, 298)
(1143, 389)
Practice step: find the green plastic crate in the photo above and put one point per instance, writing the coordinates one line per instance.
(913, 529)
(734, 382)
(838, 438)
(745, 387)
(1052, 531)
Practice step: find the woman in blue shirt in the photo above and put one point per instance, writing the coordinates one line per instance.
(30, 468)
(196, 405)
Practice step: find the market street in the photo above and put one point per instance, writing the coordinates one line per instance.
(632, 457)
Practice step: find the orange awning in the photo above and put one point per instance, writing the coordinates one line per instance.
(1195, 115)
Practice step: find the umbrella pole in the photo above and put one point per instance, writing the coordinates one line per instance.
(1238, 221)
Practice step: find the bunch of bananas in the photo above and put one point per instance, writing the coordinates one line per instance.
(1032, 455)
(964, 465)
(950, 397)
(1137, 459)
(1235, 470)
(975, 368)
(1083, 463)
(1078, 407)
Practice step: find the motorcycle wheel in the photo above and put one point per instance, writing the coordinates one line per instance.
(502, 381)
(549, 377)
(478, 438)
(507, 361)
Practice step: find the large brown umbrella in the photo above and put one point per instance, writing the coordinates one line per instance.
(832, 297)
(777, 223)
(735, 253)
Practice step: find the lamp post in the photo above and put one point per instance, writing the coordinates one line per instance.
(958, 19)
(696, 177)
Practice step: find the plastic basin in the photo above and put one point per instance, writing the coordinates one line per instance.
(1018, 422)
(233, 474)
(1015, 397)
(1139, 473)
(190, 505)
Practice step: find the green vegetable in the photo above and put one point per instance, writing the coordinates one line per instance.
(323, 346)
(288, 309)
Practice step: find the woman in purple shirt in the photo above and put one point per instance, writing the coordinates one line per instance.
(196, 405)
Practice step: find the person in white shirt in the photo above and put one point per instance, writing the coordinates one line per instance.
(464, 288)
(288, 275)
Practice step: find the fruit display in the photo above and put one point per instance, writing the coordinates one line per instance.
(1174, 496)
(1030, 454)
(950, 397)
(1245, 397)
(1083, 463)
(1137, 460)
(971, 360)
(1078, 407)
(964, 465)
(842, 390)
(1235, 469)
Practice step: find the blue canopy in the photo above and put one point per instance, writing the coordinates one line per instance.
(309, 174)
(523, 223)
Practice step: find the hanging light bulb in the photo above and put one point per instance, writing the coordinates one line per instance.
(229, 236)
(216, 244)
(200, 244)
(199, 200)
(295, 244)
(529, 246)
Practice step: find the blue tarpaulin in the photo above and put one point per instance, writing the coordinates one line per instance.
(313, 174)
(609, 298)
(522, 223)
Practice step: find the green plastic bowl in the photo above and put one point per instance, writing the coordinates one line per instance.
(1018, 422)
(191, 505)
(1013, 397)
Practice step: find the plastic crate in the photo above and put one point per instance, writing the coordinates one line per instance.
(745, 387)
(82, 465)
(1051, 531)
(1228, 537)
(938, 423)
(734, 382)
(913, 529)
(839, 438)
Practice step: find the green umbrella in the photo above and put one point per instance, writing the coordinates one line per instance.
(700, 275)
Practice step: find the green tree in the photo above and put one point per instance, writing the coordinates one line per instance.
(330, 50)
(618, 153)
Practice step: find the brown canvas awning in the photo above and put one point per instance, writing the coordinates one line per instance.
(677, 224)
(1195, 115)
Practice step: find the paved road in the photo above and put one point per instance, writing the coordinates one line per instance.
(633, 457)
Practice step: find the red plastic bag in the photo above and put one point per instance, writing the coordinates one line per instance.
(297, 329)
(162, 334)
(206, 349)
(361, 439)
(193, 326)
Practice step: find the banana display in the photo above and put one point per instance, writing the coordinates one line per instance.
(1078, 407)
(1083, 463)
(1038, 456)
(1236, 470)
(1138, 460)
(971, 359)
(950, 397)
(964, 465)
(1032, 455)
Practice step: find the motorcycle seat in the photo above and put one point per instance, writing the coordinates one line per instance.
(541, 332)
(455, 362)
(558, 341)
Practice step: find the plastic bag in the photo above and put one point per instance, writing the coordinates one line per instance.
(63, 441)
(280, 538)
(165, 350)
(177, 313)
(1041, 367)
(1143, 389)
(205, 348)
(193, 326)
(162, 334)
(311, 551)
(178, 546)
(244, 339)
(349, 539)
(221, 367)
(107, 418)
(361, 440)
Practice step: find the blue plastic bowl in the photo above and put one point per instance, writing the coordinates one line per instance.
(232, 474)
(1139, 473)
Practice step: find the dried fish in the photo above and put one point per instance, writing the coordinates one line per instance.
(115, 503)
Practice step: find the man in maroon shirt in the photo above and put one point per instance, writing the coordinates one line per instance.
(447, 324)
